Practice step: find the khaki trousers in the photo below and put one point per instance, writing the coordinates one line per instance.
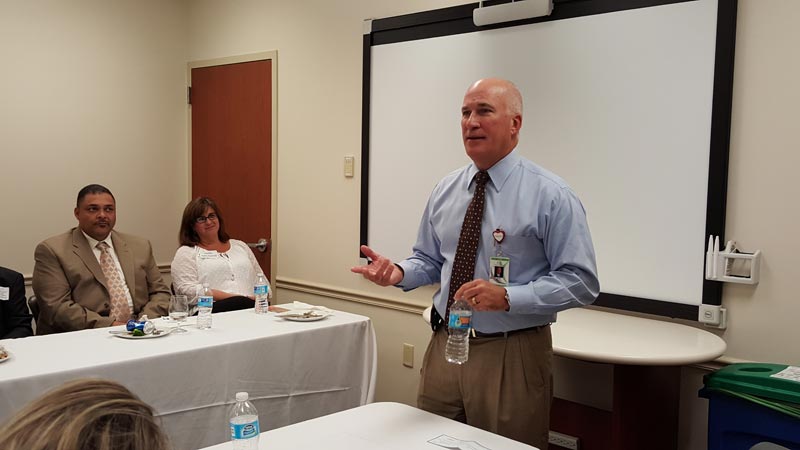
(505, 387)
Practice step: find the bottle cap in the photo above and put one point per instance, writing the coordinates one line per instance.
(242, 396)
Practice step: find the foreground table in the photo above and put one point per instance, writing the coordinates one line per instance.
(292, 371)
(377, 426)
(647, 356)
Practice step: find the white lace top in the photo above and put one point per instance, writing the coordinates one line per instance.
(233, 271)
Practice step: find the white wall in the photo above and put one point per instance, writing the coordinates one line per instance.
(93, 79)
(91, 91)
(763, 185)
(319, 95)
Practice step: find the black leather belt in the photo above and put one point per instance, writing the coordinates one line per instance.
(504, 334)
(437, 323)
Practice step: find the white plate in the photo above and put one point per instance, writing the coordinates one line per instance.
(127, 335)
(303, 316)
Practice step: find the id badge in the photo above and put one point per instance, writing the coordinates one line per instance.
(498, 269)
(208, 254)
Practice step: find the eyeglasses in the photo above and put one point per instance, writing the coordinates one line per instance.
(202, 219)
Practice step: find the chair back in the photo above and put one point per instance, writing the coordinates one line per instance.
(33, 305)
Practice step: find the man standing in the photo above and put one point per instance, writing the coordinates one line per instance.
(92, 276)
(501, 215)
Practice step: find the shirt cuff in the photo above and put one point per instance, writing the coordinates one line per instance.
(412, 278)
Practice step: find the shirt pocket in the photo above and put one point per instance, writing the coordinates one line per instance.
(526, 257)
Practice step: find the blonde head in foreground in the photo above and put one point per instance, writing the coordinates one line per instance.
(88, 414)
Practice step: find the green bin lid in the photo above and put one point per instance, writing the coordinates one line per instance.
(755, 379)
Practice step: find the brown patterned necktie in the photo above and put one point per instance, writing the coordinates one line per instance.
(468, 240)
(120, 311)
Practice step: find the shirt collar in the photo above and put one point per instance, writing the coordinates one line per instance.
(93, 242)
(499, 172)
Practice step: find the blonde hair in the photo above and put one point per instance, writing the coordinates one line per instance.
(86, 414)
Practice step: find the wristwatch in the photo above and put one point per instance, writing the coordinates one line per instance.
(508, 301)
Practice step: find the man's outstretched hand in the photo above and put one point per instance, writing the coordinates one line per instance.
(380, 271)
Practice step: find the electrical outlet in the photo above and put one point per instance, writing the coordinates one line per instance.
(713, 316)
(563, 440)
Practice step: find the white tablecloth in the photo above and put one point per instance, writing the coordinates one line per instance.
(293, 371)
(378, 426)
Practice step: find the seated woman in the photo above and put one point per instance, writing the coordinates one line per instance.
(208, 255)
(85, 414)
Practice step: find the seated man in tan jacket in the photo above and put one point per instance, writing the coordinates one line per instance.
(92, 276)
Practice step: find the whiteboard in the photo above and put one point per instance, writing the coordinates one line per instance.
(618, 104)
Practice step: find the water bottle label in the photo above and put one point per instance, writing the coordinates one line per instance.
(204, 301)
(261, 290)
(459, 321)
(244, 430)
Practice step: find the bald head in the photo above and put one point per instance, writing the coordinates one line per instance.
(502, 88)
(491, 117)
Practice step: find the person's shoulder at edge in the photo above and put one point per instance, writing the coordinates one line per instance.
(10, 274)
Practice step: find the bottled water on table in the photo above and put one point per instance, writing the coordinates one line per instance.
(459, 324)
(262, 293)
(244, 424)
(205, 301)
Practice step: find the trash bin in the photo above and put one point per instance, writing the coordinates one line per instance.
(750, 404)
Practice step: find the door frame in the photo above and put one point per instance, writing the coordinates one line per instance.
(273, 57)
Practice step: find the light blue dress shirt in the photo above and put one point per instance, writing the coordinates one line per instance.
(552, 262)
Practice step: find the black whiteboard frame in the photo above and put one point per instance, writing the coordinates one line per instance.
(458, 19)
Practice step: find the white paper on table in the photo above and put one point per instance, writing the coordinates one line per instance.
(451, 442)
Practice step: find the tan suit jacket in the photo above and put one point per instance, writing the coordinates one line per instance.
(72, 289)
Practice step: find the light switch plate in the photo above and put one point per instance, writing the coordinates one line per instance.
(408, 355)
(349, 166)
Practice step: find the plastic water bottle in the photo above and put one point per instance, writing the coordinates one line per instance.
(457, 349)
(244, 424)
(262, 293)
(205, 301)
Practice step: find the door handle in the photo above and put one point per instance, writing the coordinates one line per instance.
(262, 245)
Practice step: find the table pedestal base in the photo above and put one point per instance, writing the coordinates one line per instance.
(644, 413)
(645, 408)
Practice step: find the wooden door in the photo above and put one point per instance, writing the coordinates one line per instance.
(231, 114)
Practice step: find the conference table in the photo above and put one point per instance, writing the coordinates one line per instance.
(293, 371)
(382, 426)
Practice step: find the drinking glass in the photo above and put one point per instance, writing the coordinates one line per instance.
(178, 311)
